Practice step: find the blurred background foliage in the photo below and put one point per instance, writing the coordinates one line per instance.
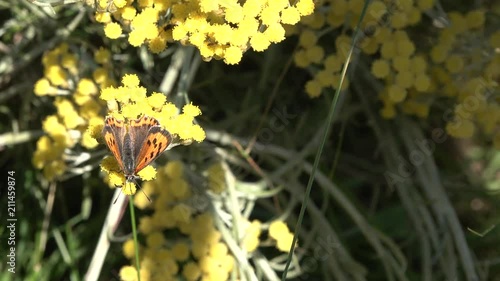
(406, 187)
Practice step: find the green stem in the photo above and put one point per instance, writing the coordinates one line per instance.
(134, 233)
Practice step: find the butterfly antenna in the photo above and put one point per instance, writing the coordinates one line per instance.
(140, 187)
(116, 196)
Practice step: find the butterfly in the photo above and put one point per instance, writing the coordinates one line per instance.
(135, 146)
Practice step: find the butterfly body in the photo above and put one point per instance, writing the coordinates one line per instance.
(135, 146)
(128, 159)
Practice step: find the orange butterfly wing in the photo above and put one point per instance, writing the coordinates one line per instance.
(114, 132)
(151, 140)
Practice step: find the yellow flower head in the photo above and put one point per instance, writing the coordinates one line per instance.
(284, 242)
(251, 239)
(43, 87)
(180, 251)
(128, 248)
(216, 178)
(260, 42)
(113, 30)
(102, 56)
(278, 229)
(290, 15)
(128, 273)
(191, 271)
(305, 7)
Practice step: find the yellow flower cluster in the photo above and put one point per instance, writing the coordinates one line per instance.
(194, 249)
(466, 69)
(76, 103)
(220, 29)
(412, 80)
(406, 76)
(462, 65)
(382, 26)
(129, 102)
(197, 253)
